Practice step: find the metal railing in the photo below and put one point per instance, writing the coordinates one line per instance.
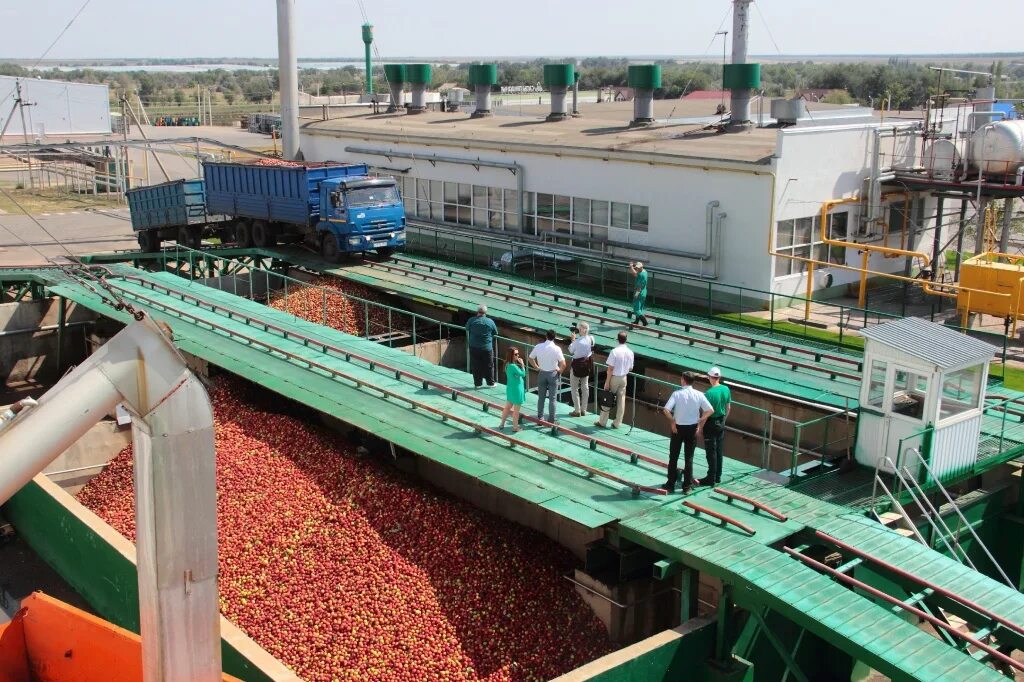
(395, 326)
(814, 439)
(669, 290)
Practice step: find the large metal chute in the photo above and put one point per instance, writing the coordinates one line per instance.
(175, 489)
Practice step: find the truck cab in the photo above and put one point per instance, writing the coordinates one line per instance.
(359, 214)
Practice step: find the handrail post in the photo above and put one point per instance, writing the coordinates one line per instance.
(796, 449)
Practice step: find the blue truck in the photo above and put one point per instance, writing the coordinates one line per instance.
(335, 208)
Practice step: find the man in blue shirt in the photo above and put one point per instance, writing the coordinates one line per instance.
(480, 333)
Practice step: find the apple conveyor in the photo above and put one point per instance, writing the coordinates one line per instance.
(749, 533)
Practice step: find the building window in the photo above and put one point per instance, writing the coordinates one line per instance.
(620, 215)
(876, 387)
(497, 209)
(961, 392)
(638, 218)
(801, 237)
(909, 392)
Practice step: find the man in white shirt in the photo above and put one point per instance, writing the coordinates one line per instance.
(686, 411)
(620, 364)
(549, 361)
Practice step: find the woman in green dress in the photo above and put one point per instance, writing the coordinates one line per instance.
(515, 388)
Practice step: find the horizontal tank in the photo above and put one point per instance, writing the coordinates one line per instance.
(941, 158)
(998, 148)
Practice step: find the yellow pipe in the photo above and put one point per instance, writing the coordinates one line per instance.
(927, 286)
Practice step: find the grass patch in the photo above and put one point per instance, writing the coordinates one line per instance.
(951, 258)
(1012, 377)
(849, 339)
(47, 201)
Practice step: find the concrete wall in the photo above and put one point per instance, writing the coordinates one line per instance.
(28, 342)
(676, 194)
(100, 564)
(89, 453)
(677, 654)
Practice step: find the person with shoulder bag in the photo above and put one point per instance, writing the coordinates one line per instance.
(581, 347)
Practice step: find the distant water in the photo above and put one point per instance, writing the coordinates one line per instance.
(196, 68)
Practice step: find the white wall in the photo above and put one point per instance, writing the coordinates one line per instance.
(817, 164)
(56, 107)
(677, 195)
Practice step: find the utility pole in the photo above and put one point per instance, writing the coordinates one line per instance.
(20, 104)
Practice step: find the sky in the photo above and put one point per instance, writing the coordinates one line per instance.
(475, 28)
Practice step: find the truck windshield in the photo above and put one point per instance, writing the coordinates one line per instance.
(373, 196)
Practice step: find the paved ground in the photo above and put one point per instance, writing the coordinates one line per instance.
(24, 241)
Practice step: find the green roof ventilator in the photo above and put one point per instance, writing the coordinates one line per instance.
(419, 79)
(558, 78)
(644, 79)
(482, 77)
(396, 76)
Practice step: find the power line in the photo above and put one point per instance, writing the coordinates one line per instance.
(767, 30)
(55, 40)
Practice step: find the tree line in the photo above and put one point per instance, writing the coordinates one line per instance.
(901, 82)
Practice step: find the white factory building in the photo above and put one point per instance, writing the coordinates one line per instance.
(672, 194)
(50, 107)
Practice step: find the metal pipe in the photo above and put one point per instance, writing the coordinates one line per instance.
(77, 469)
(288, 75)
(740, 98)
(175, 493)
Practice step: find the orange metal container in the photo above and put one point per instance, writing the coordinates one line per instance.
(50, 641)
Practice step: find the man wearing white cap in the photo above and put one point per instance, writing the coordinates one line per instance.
(720, 398)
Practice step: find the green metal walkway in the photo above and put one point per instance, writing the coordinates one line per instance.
(594, 478)
(759, 363)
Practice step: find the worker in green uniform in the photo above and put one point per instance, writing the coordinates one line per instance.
(720, 398)
(639, 292)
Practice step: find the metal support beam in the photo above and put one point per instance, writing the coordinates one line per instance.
(61, 329)
(688, 592)
(960, 240)
(1004, 236)
(724, 621)
(936, 242)
(787, 658)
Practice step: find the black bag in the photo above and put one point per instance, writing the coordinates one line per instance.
(606, 399)
(581, 367)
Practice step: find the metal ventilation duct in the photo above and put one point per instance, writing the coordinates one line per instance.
(558, 78)
(397, 78)
(644, 79)
(481, 78)
(419, 81)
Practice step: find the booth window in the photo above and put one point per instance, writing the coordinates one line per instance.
(961, 391)
(909, 392)
(876, 387)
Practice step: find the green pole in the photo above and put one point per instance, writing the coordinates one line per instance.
(367, 42)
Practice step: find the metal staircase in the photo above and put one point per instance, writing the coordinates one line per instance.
(905, 480)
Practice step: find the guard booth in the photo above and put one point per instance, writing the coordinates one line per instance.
(919, 374)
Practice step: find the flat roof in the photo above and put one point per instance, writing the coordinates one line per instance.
(531, 133)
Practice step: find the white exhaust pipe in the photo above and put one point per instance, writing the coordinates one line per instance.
(175, 490)
(288, 76)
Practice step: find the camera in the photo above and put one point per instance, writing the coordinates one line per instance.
(574, 328)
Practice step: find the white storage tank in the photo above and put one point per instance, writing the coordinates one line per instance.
(941, 157)
(998, 148)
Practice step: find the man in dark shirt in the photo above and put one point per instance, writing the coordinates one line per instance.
(480, 333)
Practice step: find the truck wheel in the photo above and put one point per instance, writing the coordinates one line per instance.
(385, 254)
(149, 241)
(263, 234)
(226, 235)
(243, 235)
(189, 237)
(329, 248)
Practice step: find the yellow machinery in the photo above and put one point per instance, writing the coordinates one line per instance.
(990, 283)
